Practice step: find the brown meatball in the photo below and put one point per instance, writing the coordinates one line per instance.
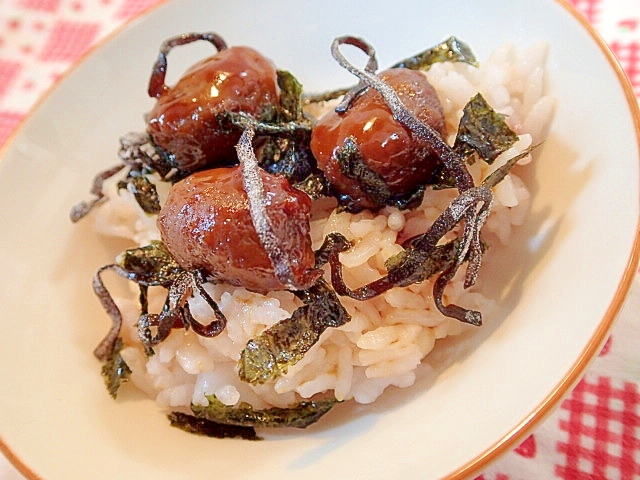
(388, 148)
(205, 223)
(183, 121)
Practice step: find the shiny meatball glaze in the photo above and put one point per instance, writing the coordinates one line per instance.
(183, 121)
(388, 148)
(206, 224)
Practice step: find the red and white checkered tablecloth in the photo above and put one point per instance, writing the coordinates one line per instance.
(595, 432)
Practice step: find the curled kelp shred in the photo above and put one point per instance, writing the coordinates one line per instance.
(152, 266)
(262, 223)
(156, 83)
(81, 209)
(141, 158)
(299, 415)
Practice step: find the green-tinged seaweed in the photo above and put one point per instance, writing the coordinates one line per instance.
(150, 265)
(286, 133)
(290, 157)
(143, 190)
(414, 265)
(353, 166)
(209, 428)
(300, 415)
(115, 370)
(451, 50)
(270, 354)
(290, 108)
(483, 131)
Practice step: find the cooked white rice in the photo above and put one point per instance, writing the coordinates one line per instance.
(388, 336)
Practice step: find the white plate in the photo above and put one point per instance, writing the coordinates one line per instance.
(565, 278)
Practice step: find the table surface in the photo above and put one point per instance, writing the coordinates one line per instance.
(595, 431)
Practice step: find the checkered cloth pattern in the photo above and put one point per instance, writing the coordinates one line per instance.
(593, 434)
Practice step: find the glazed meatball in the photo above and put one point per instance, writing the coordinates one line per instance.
(184, 121)
(206, 224)
(387, 147)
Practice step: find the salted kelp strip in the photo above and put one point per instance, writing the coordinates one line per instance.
(81, 209)
(300, 415)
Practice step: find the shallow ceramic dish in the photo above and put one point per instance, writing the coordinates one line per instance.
(560, 283)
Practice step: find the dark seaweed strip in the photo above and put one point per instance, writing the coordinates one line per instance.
(353, 166)
(300, 415)
(105, 348)
(333, 244)
(290, 97)
(83, 208)
(209, 428)
(144, 191)
(271, 353)
(310, 98)
(499, 173)
(150, 265)
(177, 314)
(245, 121)
(159, 71)
(451, 50)
(482, 130)
(115, 370)
(414, 265)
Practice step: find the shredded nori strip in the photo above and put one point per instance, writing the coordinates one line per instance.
(315, 185)
(483, 131)
(209, 428)
(300, 415)
(143, 190)
(156, 82)
(115, 370)
(353, 166)
(290, 97)
(150, 265)
(271, 353)
(451, 50)
(153, 265)
(414, 265)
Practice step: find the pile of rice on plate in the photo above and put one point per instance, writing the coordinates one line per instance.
(389, 335)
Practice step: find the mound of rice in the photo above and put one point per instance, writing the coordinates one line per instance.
(388, 336)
